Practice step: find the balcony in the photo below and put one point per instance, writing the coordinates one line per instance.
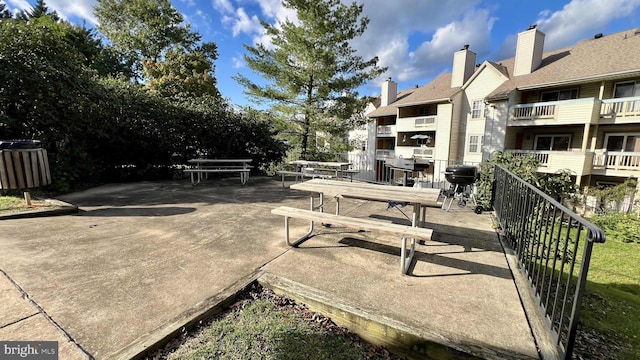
(622, 110)
(566, 112)
(610, 162)
(423, 152)
(417, 123)
(382, 154)
(386, 131)
(579, 163)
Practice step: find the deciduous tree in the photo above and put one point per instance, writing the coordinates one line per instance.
(144, 29)
(312, 71)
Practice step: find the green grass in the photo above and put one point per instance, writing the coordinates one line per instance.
(13, 204)
(262, 329)
(613, 306)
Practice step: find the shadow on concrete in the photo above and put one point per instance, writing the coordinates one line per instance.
(210, 192)
(468, 266)
(138, 211)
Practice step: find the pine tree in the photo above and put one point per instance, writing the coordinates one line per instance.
(311, 69)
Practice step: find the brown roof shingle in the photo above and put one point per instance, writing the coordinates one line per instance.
(614, 55)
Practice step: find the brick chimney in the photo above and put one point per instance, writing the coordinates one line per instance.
(464, 64)
(389, 92)
(528, 51)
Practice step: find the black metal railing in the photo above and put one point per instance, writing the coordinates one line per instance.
(553, 246)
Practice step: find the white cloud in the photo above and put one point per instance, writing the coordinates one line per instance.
(68, 8)
(449, 25)
(244, 24)
(581, 19)
(223, 6)
(238, 62)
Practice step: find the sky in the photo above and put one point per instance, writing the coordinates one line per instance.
(415, 39)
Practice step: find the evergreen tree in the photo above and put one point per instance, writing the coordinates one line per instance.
(4, 12)
(311, 69)
(39, 10)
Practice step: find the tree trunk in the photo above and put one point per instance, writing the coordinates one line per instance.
(307, 121)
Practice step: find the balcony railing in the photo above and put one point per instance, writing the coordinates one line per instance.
(541, 156)
(574, 111)
(385, 130)
(623, 107)
(423, 152)
(384, 153)
(534, 111)
(425, 121)
(580, 163)
(617, 160)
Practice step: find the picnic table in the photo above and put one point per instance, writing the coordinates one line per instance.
(419, 198)
(202, 167)
(319, 169)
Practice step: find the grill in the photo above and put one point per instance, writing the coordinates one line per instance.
(461, 178)
(461, 175)
(410, 164)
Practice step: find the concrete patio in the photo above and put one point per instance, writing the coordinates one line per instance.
(141, 260)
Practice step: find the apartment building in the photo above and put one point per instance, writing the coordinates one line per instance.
(576, 108)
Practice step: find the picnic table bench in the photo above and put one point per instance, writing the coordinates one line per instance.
(202, 167)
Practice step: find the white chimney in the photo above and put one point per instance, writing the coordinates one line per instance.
(389, 92)
(464, 64)
(528, 51)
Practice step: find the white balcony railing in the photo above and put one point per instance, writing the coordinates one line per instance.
(425, 121)
(541, 156)
(578, 162)
(617, 160)
(423, 152)
(622, 107)
(385, 130)
(534, 111)
(384, 153)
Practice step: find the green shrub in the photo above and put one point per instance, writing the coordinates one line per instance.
(619, 226)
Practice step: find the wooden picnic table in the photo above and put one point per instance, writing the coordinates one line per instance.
(202, 167)
(420, 198)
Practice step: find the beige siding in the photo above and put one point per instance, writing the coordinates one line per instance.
(484, 83)
(580, 111)
(590, 90)
(444, 128)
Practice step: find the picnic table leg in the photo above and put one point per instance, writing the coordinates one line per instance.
(303, 237)
(405, 261)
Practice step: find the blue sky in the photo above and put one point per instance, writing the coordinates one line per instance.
(414, 38)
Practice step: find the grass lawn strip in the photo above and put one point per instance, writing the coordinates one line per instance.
(610, 318)
(14, 204)
(263, 325)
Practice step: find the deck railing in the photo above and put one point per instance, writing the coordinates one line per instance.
(534, 111)
(617, 160)
(621, 107)
(553, 246)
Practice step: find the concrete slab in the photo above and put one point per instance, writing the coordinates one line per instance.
(140, 259)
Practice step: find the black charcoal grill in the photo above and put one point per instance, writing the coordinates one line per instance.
(461, 178)
(462, 175)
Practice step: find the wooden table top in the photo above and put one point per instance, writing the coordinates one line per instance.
(219, 160)
(319, 163)
(370, 191)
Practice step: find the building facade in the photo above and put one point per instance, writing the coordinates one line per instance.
(576, 108)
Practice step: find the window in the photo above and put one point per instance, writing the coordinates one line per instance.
(475, 143)
(627, 89)
(553, 142)
(476, 110)
(623, 142)
(558, 95)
